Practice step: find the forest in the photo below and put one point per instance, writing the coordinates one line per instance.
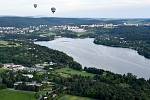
(137, 38)
(29, 54)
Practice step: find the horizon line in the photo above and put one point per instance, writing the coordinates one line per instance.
(74, 17)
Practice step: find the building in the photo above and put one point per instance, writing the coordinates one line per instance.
(75, 29)
(28, 75)
(28, 84)
(14, 67)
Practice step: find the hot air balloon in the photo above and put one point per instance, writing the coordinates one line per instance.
(35, 5)
(53, 9)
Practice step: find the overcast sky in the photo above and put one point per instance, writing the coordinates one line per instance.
(77, 8)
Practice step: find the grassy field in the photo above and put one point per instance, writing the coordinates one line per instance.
(81, 33)
(8, 44)
(67, 72)
(50, 34)
(70, 97)
(7, 94)
(2, 70)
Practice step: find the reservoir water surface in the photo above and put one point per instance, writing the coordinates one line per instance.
(117, 60)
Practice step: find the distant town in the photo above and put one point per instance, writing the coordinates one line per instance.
(73, 28)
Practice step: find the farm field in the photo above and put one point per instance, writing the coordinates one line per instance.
(67, 72)
(70, 97)
(7, 94)
(8, 44)
(2, 70)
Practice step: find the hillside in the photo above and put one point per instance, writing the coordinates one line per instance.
(30, 21)
(29, 54)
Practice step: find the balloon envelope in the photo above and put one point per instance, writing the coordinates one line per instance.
(35, 5)
(53, 9)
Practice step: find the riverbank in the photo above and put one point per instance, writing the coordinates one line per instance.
(117, 60)
(141, 47)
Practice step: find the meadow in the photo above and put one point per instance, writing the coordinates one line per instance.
(8, 94)
(70, 97)
(68, 72)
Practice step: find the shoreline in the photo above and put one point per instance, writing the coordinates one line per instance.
(117, 67)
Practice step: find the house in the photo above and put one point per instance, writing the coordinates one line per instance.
(14, 67)
(28, 84)
(28, 75)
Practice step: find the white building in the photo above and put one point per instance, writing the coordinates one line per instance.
(14, 67)
(28, 75)
(76, 29)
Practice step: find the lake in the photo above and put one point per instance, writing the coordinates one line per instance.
(117, 60)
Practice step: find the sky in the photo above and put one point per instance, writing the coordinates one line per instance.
(77, 8)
